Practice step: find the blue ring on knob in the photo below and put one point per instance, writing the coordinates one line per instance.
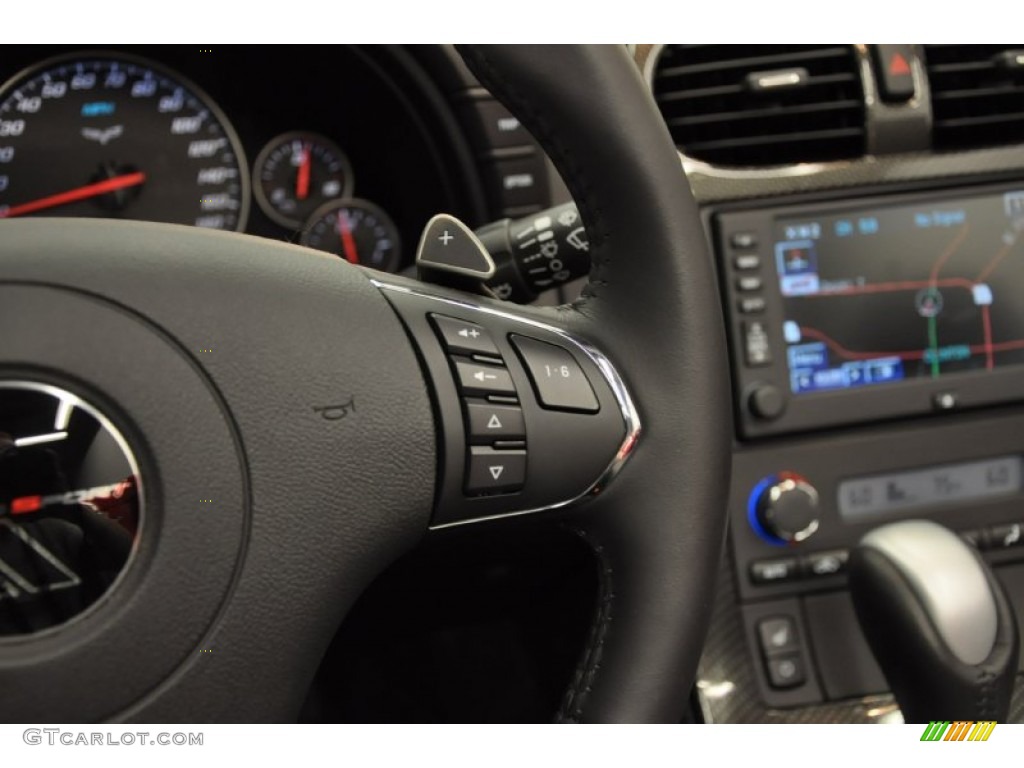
(752, 518)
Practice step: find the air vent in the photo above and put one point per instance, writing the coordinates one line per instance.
(757, 105)
(977, 94)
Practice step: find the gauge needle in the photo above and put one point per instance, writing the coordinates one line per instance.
(74, 195)
(302, 180)
(348, 243)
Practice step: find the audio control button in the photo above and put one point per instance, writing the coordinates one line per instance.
(557, 378)
(784, 509)
(774, 571)
(752, 305)
(463, 337)
(747, 262)
(749, 284)
(482, 379)
(492, 471)
(823, 564)
(756, 348)
(766, 401)
(744, 240)
(489, 422)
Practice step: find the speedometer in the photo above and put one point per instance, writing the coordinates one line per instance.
(118, 137)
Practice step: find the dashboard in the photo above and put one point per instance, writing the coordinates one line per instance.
(865, 205)
(346, 149)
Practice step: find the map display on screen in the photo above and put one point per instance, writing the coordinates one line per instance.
(876, 296)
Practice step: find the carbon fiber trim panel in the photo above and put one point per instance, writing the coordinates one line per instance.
(727, 685)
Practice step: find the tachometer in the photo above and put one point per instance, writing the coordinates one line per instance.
(298, 172)
(118, 137)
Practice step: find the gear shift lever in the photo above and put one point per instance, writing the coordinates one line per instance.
(937, 621)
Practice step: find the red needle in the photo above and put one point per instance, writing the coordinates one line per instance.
(302, 180)
(74, 195)
(348, 243)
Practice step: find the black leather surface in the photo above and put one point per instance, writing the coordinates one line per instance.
(330, 503)
(189, 550)
(929, 682)
(652, 306)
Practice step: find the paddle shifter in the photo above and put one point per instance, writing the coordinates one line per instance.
(937, 621)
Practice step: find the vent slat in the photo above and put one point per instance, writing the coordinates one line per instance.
(838, 133)
(963, 66)
(967, 122)
(715, 116)
(741, 88)
(753, 114)
(771, 61)
(976, 100)
(979, 93)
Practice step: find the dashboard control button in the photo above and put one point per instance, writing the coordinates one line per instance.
(483, 379)
(756, 348)
(557, 378)
(752, 305)
(784, 509)
(490, 422)
(945, 401)
(774, 571)
(743, 240)
(520, 181)
(822, 564)
(492, 126)
(491, 471)
(893, 67)
(766, 401)
(747, 262)
(1006, 536)
(465, 337)
(786, 671)
(749, 284)
(976, 537)
(778, 635)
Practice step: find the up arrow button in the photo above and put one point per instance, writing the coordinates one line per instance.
(493, 421)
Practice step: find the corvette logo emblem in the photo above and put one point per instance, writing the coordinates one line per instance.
(104, 136)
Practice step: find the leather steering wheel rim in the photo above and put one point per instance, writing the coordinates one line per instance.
(652, 304)
(214, 351)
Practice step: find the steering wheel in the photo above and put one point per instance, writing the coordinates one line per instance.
(293, 435)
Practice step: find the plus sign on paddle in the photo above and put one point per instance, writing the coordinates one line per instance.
(448, 245)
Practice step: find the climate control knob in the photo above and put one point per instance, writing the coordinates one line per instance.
(783, 509)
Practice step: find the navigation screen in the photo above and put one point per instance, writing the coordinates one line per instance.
(881, 295)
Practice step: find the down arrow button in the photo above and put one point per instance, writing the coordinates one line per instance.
(492, 471)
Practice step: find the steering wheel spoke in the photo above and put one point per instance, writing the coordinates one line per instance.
(530, 416)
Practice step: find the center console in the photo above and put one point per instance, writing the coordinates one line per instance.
(878, 356)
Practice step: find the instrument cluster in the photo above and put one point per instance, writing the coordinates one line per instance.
(323, 146)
